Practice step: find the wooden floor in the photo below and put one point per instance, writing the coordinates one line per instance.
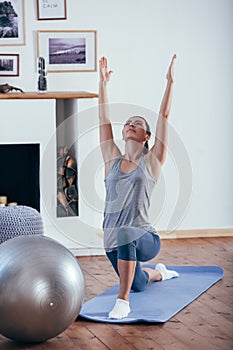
(204, 324)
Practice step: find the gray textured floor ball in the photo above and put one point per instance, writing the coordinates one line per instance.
(19, 220)
(41, 288)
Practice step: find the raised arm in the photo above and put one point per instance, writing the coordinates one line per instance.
(108, 147)
(158, 151)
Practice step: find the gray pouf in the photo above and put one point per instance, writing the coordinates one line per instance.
(18, 221)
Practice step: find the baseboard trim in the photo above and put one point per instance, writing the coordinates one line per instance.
(197, 233)
(87, 251)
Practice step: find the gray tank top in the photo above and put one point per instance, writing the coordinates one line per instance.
(127, 200)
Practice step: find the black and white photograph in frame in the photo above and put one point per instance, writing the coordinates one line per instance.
(12, 31)
(68, 51)
(51, 9)
(9, 65)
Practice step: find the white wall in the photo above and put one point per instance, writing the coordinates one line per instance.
(139, 39)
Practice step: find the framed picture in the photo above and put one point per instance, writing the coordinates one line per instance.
(51, 9)
(12, 31)
(69, 50)
(9, 65)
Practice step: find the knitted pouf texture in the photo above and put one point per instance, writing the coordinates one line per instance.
(18, 221)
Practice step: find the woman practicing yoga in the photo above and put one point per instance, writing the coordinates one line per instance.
(130, 178)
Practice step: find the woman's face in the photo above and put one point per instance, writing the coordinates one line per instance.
(135, 129)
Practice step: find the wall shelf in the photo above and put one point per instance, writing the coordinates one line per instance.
(48, 95)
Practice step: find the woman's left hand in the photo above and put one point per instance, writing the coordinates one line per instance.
(170, 73)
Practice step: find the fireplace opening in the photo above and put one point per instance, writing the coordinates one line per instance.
(19, 174)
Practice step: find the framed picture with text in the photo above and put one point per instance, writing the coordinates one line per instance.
(51, 9)
(68, 50)
(9, 65)
(12, 27)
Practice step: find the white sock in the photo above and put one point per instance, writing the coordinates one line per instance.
(121, 309)
(166, 274)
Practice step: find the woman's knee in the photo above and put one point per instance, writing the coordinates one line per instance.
(126, 246)
(127, 252)
(141, 279)
(125, 235)
(138, 287)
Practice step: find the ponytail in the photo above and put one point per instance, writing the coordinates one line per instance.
(146, 148)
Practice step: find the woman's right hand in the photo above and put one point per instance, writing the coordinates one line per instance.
(103, 68)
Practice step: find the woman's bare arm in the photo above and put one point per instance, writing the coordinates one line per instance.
(108, 147)
(157, 154)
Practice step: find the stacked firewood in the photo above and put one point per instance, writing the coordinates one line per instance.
(4, 203)
(67, 192)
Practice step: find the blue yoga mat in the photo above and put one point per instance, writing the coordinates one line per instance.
(160, 300)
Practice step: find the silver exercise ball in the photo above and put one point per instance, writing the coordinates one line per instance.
(41, 288)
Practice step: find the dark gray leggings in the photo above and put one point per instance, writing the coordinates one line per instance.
(145, 247)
